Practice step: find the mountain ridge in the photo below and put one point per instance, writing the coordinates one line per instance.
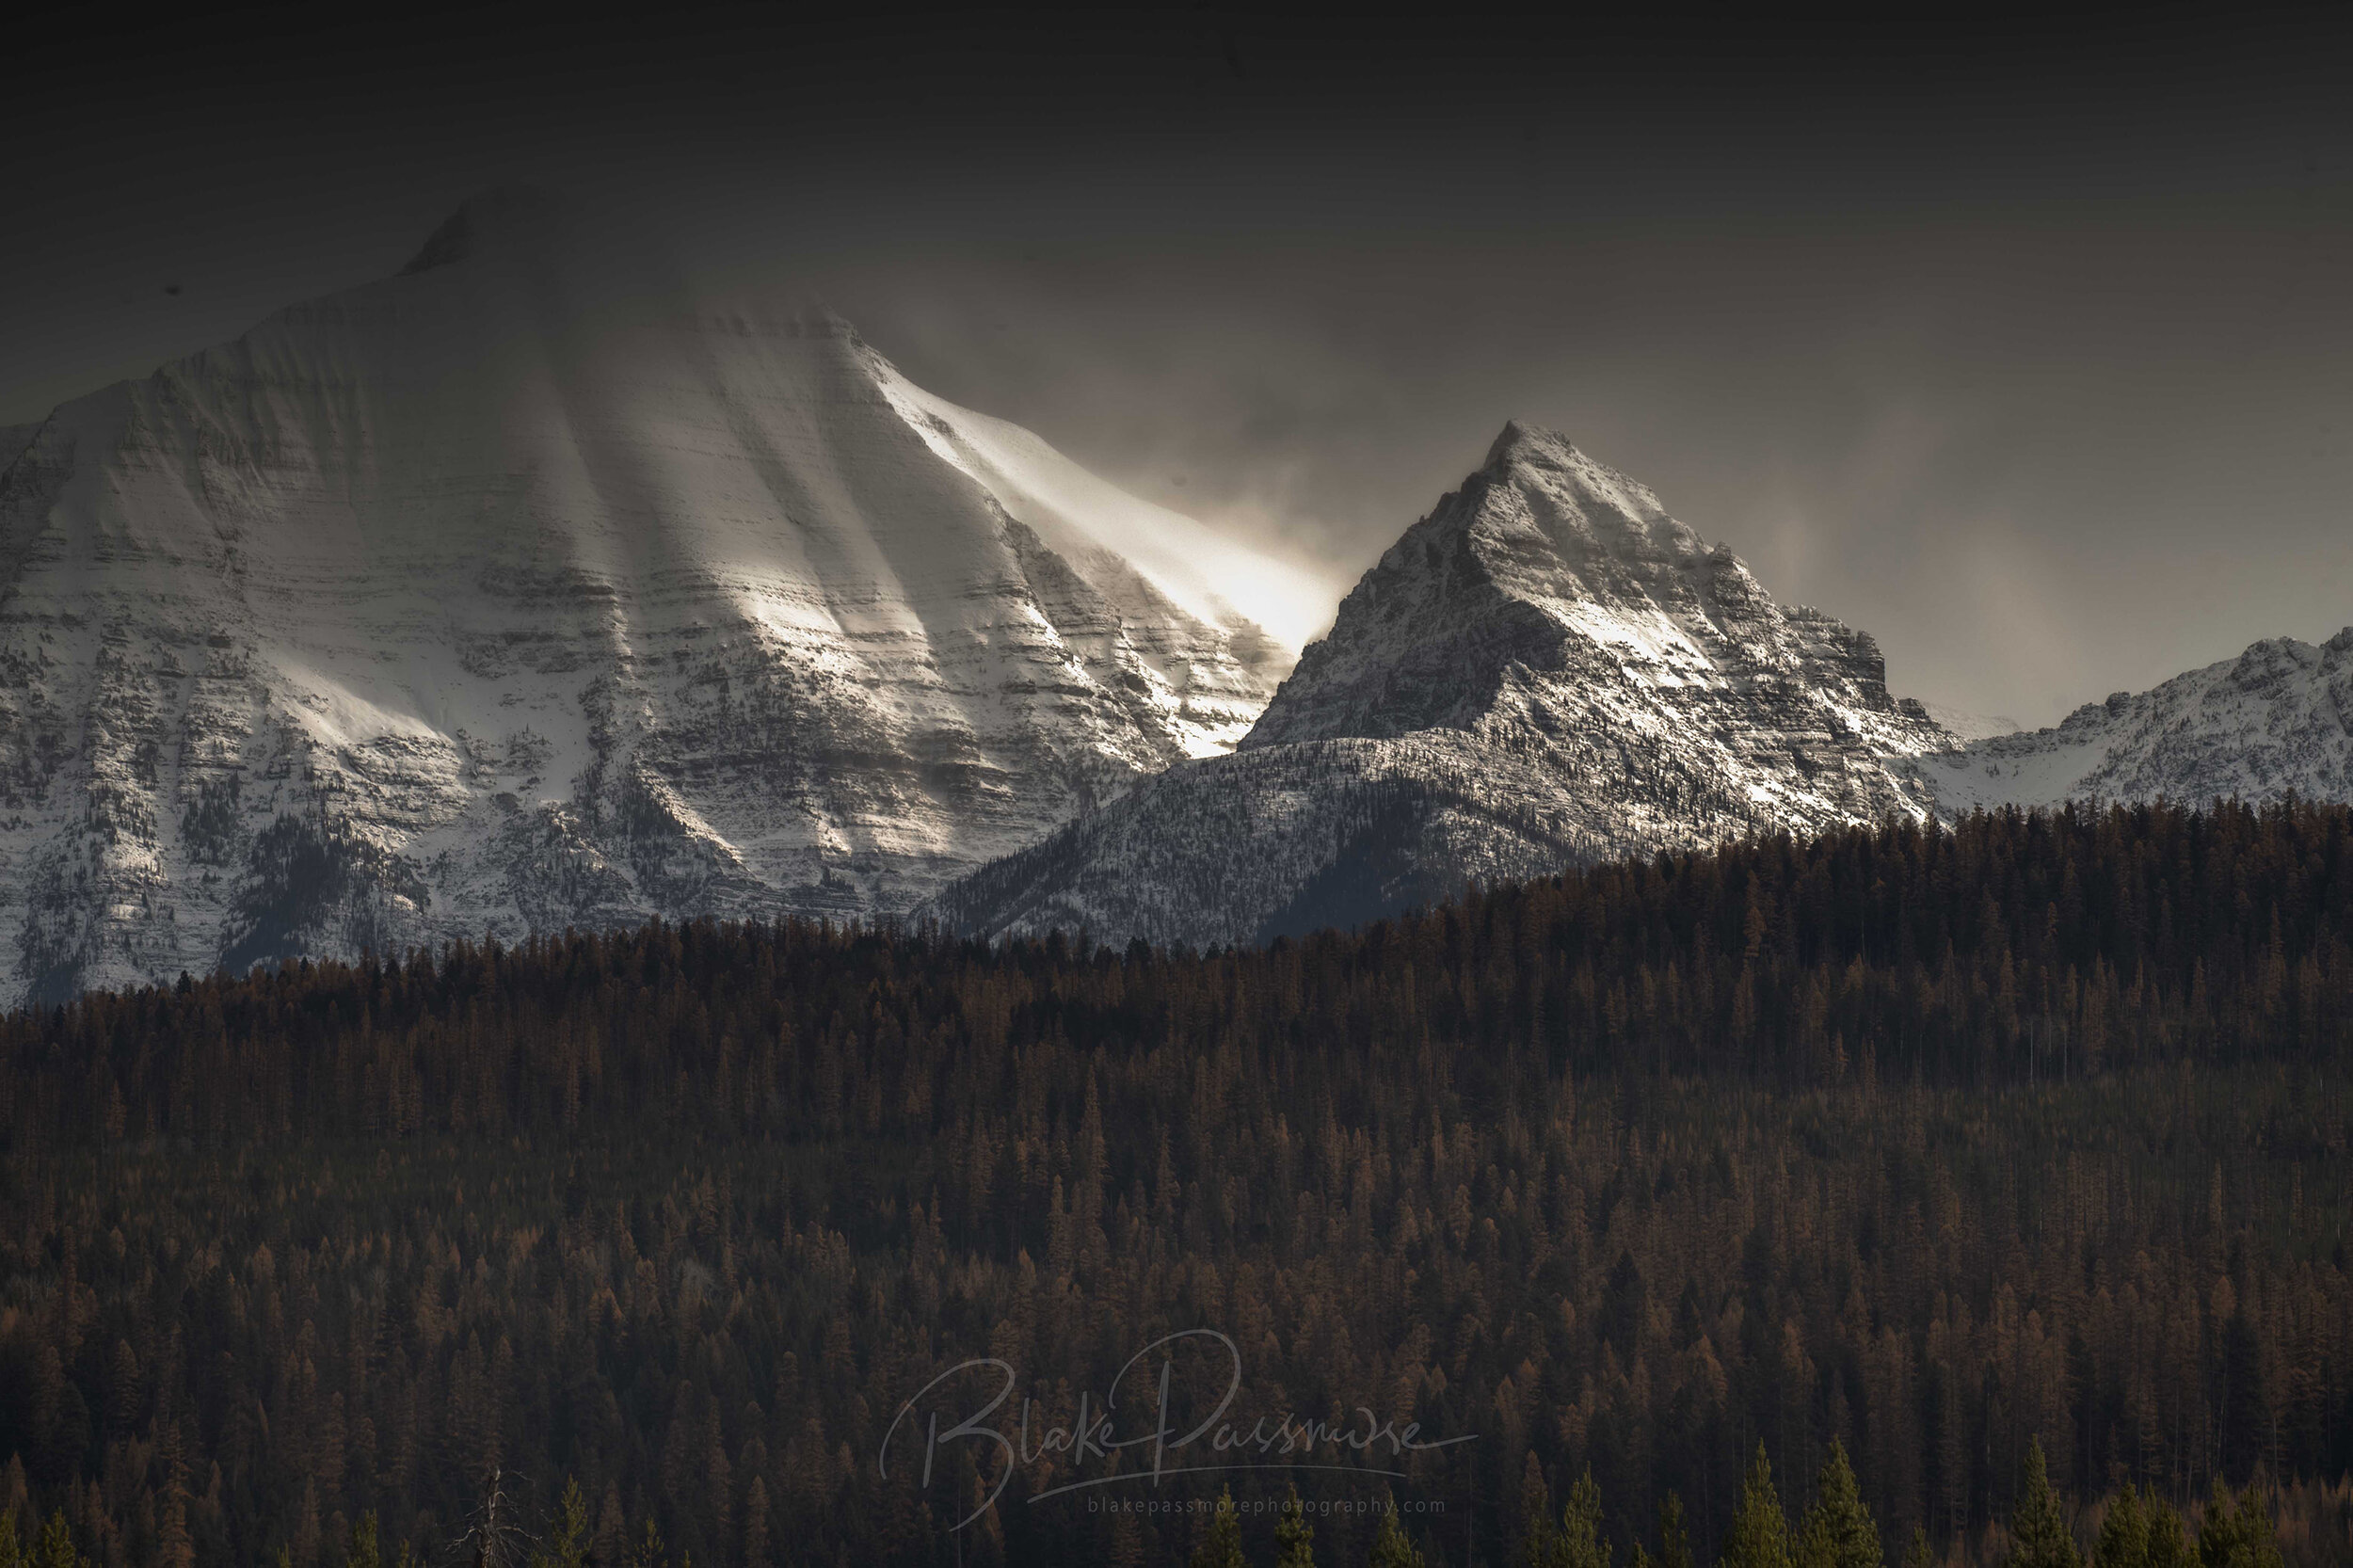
(502, 594)
(520, 590)
(1546, 668)
(2275, 720)
(1445, 782)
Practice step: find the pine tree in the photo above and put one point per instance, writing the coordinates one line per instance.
(11, 1549)
(174, 1546)
(364, 1552)
(1390, 1546)
(1917, 1555)
(396, 1059)
(1222, 1546)
(304, 1552)
(1838, 1531)
(2123, 1533)
(1674, 1539)
(1580, 1542)
(56, 1548)
(610, 1545)
(755, 1525)
(567, 1545)
(2037, 1531)
(1293, 1536)
(1760, 1531)
(2169, 1542)
(1542, 1547)
(649, 1551)
(2237, 1534)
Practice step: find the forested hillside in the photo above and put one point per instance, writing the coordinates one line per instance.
(1934, 1143)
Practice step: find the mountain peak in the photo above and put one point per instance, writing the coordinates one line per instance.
(501, 213)
(1546, 668)
(1518, 439)
(1547, 562)
(1531, 456)
(1521, 446)
(534, 590)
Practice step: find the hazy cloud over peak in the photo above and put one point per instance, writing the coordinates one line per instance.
(2025, 348)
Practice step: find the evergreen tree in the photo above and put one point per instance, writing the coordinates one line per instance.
(1917, 1555)
(1542, 1546)
(364, 1552)
(566, 1545)
(2236, 1534)
(1293, 1537)
(1675, 1538)
(1760, 1531)
(11, 1549)
(2169, 1542)
(2038, 1537)
(1580, 1539)
(1222, 1546)
(1838, 1530)
(507, 1162)
(756, 1521)
(2123, 1533)
(56, 1548)
(1390, 1546)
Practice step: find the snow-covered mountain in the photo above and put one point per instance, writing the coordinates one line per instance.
(520, 591)
(1546, 670)
(513, 592)
(2276, 719)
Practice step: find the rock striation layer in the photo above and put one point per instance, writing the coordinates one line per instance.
(513, 593)
(1547, 669)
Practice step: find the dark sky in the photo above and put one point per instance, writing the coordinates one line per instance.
(2027, 346)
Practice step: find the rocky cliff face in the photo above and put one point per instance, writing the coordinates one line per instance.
(496, 598)
(2276, 720)
(1546, 670)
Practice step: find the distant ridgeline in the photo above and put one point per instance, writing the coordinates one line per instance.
(2013, 947)
(1936, 1143)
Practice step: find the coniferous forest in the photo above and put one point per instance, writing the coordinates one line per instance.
(1909, 1194)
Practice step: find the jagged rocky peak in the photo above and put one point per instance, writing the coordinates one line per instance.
(1582, 510)
(528, 587)
(1543, 558)
(1547, 669)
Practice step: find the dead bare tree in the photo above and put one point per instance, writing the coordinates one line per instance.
(494, 1536)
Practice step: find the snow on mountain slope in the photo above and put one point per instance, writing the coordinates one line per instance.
(513, 592)
(1210, 577)
(1546, 670)
(2276, 719)
(1966, 725)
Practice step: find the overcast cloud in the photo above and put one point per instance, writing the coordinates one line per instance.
(2030, 353)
